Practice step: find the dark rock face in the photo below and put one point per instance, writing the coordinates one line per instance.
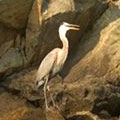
(14, 13)
(94, 80)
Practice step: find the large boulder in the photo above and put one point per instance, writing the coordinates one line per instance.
(36, 37)
(15, 108)
(45, 18)
(13, 20)
(93, 83)
(14, 13)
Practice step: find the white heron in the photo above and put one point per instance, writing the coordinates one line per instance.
(54, 61)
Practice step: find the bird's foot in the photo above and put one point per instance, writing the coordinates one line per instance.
(47, 108)
(52, 100)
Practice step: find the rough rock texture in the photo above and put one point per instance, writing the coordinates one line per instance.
(42, 28)
(13, 59)
(84, 115)
(14, 13)
(33, 35)
(15, 108)
(94, 82)
(54, 114)
(6, 35)
(13, 20)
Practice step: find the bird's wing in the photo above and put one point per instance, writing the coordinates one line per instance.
(47, 64)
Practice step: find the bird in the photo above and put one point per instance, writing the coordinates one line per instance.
(54, 61)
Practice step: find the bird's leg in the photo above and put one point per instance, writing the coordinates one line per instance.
(52, 99)
(53, 102)
(45, 92)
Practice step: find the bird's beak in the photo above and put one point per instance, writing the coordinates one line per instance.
(74, 27)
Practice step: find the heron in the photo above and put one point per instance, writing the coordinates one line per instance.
(54, 60)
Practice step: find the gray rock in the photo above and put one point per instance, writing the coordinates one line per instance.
(42, 29)
(94, 80)
(41, 33)
(11, 60)
(14, 13)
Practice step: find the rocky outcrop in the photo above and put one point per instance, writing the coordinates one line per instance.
(93, 83)
(13, 20)
(15, 108)
(91, 87)
(15, 13)
(42, 28)
(30, 31)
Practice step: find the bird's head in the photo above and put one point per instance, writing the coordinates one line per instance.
(64, 27)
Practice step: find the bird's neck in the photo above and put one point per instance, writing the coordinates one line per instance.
(64, 51)
(64, 42)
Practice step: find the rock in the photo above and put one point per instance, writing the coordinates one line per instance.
(5, 47)
(23, 83)
(11, 60)
(44, 20)
(104, 114)
(54, 113)
(15, 13)
(43, 23)
(84, 115)
(13, 20)
(98, 42)
(32, 37)
(6, 35)
(93, 83)
(33, 30)
(14, 108)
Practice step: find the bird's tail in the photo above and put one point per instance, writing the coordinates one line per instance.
(40, 84)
